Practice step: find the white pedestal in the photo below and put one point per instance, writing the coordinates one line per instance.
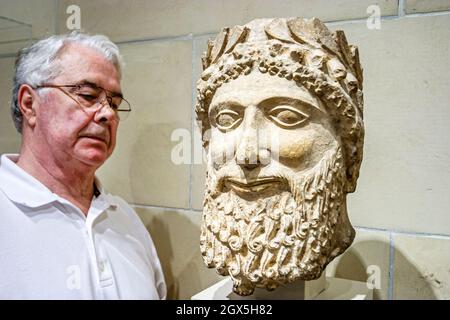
(324, 288)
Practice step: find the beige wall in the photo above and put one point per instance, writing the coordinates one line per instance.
(401, 206)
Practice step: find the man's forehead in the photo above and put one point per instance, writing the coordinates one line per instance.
(83, 65)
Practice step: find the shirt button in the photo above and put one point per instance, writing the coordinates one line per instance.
(101, 266)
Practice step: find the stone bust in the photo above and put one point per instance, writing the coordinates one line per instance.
(280, 107)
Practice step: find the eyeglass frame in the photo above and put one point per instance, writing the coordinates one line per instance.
(107, 97)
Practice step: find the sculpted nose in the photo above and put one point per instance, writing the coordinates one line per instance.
(249, 149)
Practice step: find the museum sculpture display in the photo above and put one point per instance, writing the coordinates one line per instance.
(280, 107)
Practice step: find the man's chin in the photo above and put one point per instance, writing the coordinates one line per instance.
(92, 152)
(93, 157)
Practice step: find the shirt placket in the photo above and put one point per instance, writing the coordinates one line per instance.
(98, 254)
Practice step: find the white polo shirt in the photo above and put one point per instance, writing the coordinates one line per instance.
(50, 250)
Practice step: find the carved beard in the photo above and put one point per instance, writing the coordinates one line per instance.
(280, 238)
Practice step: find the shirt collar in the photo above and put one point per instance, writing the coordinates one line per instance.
(101, 202)
(22, 188)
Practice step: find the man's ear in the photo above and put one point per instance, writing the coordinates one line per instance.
(27, 99)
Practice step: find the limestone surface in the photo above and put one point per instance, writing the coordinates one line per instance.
(280, 107)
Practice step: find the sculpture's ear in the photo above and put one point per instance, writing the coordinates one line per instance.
(27, 102)
(352, 172)
(206, 137)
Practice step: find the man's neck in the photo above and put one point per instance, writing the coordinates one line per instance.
(71, 181)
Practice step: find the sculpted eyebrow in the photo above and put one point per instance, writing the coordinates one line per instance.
(294, 102)
(224, 104)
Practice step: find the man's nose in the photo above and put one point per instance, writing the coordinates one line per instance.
(104, 112)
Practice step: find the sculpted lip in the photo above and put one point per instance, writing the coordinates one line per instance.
(254, 185)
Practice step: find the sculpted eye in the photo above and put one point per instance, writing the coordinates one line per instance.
(227, 119)
(287, 116)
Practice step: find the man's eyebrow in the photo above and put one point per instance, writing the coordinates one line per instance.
(93, 84)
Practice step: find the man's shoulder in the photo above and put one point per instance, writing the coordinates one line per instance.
(125, 208)
(138, 227)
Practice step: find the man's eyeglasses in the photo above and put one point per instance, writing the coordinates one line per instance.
(93, 97)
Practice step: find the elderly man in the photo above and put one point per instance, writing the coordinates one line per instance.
(62, 236)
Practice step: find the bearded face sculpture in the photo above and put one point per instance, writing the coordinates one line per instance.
(280, 108)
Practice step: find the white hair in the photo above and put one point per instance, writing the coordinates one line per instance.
(37, 64)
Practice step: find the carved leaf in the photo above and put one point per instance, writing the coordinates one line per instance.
(357, 65)
(341, 40)
(277, 29)
(237, 35)
(206, 58)
(298, 31)
(313, 32)
(219, 44)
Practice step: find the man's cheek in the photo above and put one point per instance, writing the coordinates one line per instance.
(111, 147)
(113, 138)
